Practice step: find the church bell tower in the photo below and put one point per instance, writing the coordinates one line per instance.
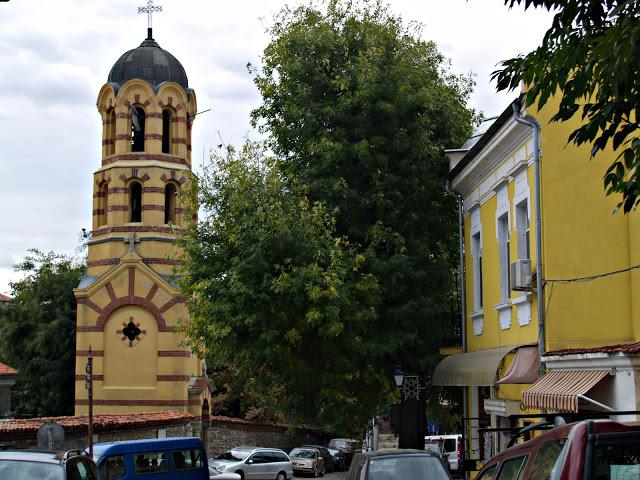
(129, 305)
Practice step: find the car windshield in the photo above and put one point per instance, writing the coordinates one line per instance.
(300, 453)
(25, 470)
(233, 455)
(406, 468)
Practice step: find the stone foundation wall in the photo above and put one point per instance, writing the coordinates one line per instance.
(222, 435)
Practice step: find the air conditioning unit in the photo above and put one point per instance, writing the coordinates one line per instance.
(521, 275)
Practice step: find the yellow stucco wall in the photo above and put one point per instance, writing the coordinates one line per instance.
(582, 236)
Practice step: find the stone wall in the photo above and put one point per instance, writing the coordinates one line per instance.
(226, 433)
(223, 433)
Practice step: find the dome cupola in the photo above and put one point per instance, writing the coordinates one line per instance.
(151, 63)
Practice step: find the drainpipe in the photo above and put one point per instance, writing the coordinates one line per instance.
(532, 122)
(463, 311)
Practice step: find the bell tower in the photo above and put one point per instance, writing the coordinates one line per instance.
(129, 304)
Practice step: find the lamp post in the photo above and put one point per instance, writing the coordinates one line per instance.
(412, 410)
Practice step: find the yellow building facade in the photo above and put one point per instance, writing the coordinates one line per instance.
(129, 304)
(578, 351)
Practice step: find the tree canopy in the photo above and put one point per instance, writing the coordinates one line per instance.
(591, 55)
(317, 271)
(37, 334)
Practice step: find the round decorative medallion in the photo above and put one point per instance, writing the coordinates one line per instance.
(131, 332)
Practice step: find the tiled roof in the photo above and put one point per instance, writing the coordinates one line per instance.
(620, 348)
(100, 422)
(7, 370)
(4, 298)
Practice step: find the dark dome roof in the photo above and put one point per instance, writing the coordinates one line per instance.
(151, 63)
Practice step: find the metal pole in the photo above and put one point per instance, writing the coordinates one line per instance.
(89, 386)
(533, 124)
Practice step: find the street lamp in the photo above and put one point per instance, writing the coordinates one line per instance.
(398, 376)
(412, 410)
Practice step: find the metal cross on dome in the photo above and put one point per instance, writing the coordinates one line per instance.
(150, 9)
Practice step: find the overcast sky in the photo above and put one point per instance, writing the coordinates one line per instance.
(56, 54)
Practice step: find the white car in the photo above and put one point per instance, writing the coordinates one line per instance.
(253, 463)
(451, 445)
(224, 476)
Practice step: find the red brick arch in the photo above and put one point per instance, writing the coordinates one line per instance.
(133, 300)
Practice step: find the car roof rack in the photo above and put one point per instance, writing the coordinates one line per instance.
(551, 420)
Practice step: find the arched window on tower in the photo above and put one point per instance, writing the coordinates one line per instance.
(166, 130)
(170, 196)
(103, 203)
(137, 129)
(111, 131)
(135, 202)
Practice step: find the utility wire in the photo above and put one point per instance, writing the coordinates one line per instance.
(591, 277)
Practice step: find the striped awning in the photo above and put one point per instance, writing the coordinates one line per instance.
(559, 390)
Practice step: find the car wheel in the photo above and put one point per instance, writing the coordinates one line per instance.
(241, 473)
(281, 476)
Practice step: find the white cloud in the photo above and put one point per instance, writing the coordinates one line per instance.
(55, 56)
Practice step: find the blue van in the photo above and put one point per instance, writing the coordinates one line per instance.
(180, 458)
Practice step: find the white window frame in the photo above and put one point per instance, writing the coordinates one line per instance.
(504, 257)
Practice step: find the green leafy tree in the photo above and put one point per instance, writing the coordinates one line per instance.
(277, 297)
(360, 108)
(591, 55)
(37, 334)
(313, 275)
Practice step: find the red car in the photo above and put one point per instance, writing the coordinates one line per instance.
(586, 450)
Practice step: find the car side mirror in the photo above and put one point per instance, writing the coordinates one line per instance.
(250, 461)
(445, 455)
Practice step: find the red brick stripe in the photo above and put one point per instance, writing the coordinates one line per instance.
(132, 280)
(91, 329)
(122, 136)
(97, 378)
(131, 300)
(103, 262)
(179, 140)
(153, 189)
(85, 353)
(173, 378)
(161, 261)
(152, 292)
(110, 291)
(154, 115)
(152, 136)
(171, 303)
(91, 304)
(174, 353)
(118, 208)
(159, 208)
(108, 141)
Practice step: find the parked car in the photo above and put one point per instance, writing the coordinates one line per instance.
(223, 475)
(179, 458)
(338, 459)
(586, 450)
(326, 455)
(50, 466)
(254, 463)
(307, 460)
(348, 447)
(437, 450)
(451, 446)
(397, 464)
